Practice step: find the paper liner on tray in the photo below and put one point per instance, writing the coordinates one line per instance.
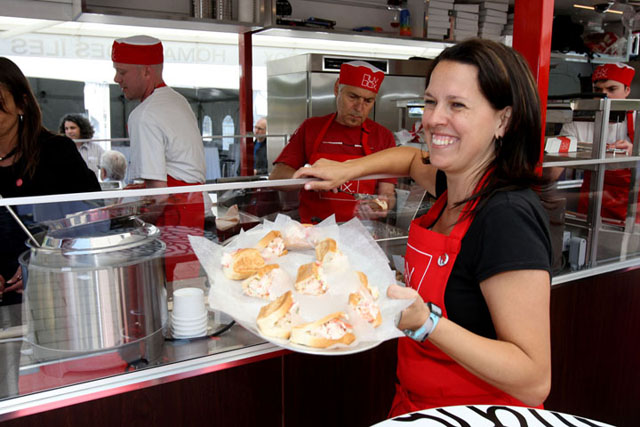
(353, 240)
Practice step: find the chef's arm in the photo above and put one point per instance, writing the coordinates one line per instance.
(518, 362)
(624, 145)
(283, 171)
(400, 161)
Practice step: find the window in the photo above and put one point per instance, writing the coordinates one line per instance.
(228, 129)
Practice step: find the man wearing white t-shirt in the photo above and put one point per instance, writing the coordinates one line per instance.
(166, 145)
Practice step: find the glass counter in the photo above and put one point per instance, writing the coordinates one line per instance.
(110, 349)
(100, 273)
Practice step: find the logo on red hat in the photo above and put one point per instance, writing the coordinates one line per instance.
(619, 72)
(370, 82)
(361, 74)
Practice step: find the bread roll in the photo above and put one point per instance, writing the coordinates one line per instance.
(373, 291)
(379, 205)
(259, 284)
(325, 247)
(272, 245)
(330, 256)
(274, 319)
(324, 332)
(364, 305)
(241, 263)
(310, 280)
(296, 237)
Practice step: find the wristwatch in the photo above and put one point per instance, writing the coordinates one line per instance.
(423, 332)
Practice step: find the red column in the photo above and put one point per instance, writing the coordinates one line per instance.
(246, 103)
(533, 22)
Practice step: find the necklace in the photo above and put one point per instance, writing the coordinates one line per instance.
(9, 154)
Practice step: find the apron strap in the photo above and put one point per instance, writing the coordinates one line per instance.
(630, 130)
(364, 136)
(461, 227)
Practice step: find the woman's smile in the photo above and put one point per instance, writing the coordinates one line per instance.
(441, 140)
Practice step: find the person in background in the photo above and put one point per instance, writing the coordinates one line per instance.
(33, 162)
(166, 145)
(113, 166)
(478, 262)
(343, 135)
(260, 166)
(78, 128)
(614, 80)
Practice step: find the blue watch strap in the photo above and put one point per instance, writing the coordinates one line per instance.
(423, 332)
(420, 333)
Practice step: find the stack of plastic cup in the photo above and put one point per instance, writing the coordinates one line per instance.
(189, 317)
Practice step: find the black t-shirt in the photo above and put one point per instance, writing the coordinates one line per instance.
(510, 232)
(60, 169)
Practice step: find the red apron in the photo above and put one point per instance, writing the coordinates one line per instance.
(183, 215)
(315, 204)
(615, 191)
(428, 378)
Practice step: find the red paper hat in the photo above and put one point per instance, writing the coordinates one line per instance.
(140, 50)
(361, 74)
(619, 72)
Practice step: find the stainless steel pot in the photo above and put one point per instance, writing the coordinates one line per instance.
(96, 285)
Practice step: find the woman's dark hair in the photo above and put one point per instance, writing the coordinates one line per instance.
(30, 125)
(86, 130)
(505, 80)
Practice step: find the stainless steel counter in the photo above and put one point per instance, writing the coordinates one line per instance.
(31, 386)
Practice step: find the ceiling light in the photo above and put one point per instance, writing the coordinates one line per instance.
(608, 10)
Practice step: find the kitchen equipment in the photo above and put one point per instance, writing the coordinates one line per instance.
(96, 283)
(301, 86)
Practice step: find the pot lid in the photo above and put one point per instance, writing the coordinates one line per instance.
(101, 236)
(103, 213)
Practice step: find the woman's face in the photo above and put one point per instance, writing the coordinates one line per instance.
(72, 130)
(459, 122)
(9, 113)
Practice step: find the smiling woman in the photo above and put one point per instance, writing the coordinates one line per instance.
(478, 330)
(33, 162)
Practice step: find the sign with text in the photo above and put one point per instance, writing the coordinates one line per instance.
(489, 416)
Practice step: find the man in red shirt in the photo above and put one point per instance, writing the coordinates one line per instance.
(343, 135)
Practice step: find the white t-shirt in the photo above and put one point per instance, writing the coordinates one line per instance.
(165, 139)
(583, 131)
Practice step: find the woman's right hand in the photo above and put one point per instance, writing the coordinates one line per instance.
(331, 174)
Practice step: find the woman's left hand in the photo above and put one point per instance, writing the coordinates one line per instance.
(15, 283)
(416, 314)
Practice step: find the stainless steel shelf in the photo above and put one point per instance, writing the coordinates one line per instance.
(344, 35)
